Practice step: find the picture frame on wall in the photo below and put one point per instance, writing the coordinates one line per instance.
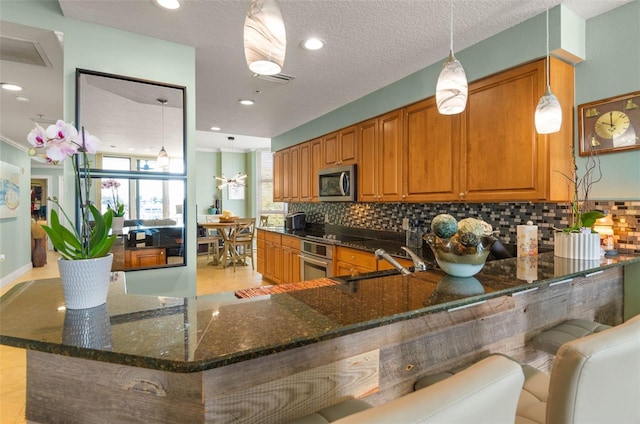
(9, 190)
(236, 191)
(609, 125)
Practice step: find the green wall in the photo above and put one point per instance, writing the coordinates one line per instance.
(599, 76)
(109, 50)
(208, 166)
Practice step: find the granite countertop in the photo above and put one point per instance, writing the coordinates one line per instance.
(198, 333)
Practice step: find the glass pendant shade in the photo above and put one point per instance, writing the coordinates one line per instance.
(163, 158)
(548, 116)
(265, 39)
(452, 87)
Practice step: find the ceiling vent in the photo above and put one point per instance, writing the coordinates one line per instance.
(277, 78)
(22, 51)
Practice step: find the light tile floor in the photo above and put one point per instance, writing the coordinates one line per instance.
(210, 279)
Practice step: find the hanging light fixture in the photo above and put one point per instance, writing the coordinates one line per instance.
(163, 157)
(548, 116)
(265, 39)
(237, 179)
(452, 87)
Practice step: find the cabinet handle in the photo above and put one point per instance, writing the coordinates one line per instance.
(461, 194)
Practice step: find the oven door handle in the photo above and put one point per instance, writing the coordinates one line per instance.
(313, 261)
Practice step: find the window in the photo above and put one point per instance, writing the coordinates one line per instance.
(274, 211)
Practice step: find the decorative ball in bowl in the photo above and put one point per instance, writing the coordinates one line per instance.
(464, 250)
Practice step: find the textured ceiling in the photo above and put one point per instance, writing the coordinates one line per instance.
(370, 44)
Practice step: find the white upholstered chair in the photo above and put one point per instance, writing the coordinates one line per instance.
(486, 392)
(594, 379)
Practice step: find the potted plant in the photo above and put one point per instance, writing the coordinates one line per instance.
(115, 205)
(85, 263)
(579, 240)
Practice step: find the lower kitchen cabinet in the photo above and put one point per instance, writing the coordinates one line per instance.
(145, 256)
(290, 259)
(277, 257)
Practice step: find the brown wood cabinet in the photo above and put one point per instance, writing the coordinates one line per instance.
(273, 257)
(352, 262)
(145, 256)
(489, 153)
(290, 260)
(431, 153)
(277, 257)
(503, 158)
(340, 147)
(316, 166)
(380, 162)
(278, 176)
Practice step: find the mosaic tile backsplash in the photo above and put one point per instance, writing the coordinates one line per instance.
(502, 216)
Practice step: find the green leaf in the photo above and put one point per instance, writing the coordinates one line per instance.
(589, 218)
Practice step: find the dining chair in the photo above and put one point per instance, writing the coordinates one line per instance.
(241, 241)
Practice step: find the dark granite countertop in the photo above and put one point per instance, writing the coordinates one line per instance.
(198, 333)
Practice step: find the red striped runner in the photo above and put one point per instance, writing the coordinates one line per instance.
(283, 288)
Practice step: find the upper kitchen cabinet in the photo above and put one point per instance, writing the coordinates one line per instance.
(503, 157)
(431, 153)
(340, 147)
(278, 176)
(309, 166)
(380, 164)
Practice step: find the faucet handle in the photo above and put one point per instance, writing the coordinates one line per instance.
(418, 263)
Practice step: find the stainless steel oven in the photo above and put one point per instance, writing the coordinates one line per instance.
(316, 260)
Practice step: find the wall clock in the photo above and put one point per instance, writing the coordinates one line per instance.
(610, 125)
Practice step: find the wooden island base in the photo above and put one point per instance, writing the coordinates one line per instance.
(377, 364)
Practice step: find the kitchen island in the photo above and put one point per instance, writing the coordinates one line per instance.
(272, 358)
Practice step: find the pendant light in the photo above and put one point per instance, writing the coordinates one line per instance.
(265, 39)
(237, 179)
(452, 87)
(163, 157)
(548, 116)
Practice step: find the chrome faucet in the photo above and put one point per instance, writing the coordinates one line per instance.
(381, 254)
(418, 263)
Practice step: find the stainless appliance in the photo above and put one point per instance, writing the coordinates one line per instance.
(295, 221)
(337, 184)
(316, 259)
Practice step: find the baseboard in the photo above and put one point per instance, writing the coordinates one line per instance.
(8, 279)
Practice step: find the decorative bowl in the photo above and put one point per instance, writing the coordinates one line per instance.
(460, 256)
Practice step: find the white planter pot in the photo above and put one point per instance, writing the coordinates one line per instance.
(116, 223)
(577, 245)
(85, 282)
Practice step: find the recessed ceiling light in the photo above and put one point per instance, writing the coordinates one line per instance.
(246, 102)
(215, 128)
(313, 44)
(10, 87)
(169, 4)
(22, 99)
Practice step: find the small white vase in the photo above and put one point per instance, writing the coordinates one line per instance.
(577, 245)
(85, 282)
(117, 223)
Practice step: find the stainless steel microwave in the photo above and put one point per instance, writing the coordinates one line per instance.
(337, 184)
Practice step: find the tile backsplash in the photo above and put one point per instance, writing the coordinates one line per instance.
(502, 216)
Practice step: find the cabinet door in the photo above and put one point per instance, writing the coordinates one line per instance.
(390, 156)
(304, 172)
(273, 262)
(278, 176)
(260, 252)
(150, 256)
(316, 166)
(286, 175)
(504, 157)
(293, 172)
(290, 265)
(368, 162)
(348, 146)
(431, 153)
(330, 147)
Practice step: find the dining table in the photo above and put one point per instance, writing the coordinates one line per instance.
(224, 230)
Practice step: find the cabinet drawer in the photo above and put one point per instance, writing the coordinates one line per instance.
(273, 237)
(356, 257)
(292, 242)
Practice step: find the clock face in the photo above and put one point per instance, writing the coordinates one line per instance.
(612, 124)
